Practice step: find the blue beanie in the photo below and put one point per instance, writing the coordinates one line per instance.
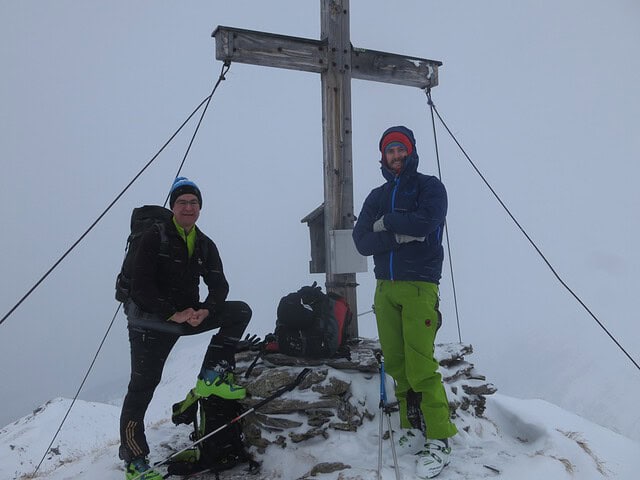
(182, 186)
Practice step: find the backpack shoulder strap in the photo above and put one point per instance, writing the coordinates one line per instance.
(164, 239)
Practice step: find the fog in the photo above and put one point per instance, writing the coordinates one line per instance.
(542, 95)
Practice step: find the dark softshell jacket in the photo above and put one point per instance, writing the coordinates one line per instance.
(412, 204)
(166, 281)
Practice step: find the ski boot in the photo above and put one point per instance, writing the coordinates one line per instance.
(432, 459)
(219, 381)
(139, 469)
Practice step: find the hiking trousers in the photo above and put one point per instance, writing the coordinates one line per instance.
(408, 318)
(149, 351)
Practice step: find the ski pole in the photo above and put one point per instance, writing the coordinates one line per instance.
(282, 390)
(381, 414)
(253, 364)
(384, 408)
(393, 447)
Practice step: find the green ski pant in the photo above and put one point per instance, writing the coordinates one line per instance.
(408, 318)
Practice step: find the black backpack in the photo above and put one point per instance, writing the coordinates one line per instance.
(142, 219)
(221, 451)
(311, 323)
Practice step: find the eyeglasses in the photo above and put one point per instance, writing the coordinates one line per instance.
(184, 203)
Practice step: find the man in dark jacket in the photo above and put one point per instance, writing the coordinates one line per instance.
(164, 304)
(401, 225)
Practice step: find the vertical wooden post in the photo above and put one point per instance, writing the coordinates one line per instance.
(336, 141)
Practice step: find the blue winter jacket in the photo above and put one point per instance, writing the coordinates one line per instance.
(412, 204)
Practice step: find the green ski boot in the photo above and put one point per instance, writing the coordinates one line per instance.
(139, 469)
(219, 382)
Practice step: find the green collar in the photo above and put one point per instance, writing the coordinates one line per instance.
(189, 238)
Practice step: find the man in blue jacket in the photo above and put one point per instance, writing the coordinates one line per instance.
(401, 225)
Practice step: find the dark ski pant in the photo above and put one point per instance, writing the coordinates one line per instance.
(151, 340)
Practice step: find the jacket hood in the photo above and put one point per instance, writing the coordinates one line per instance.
(410, 163)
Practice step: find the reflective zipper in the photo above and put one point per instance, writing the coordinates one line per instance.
(393, 208)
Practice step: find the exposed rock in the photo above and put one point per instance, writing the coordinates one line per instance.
(285, 405)
(275, 423)
(361, 357)
(253, 436)
(326, 401)
(484, 389)
(314, 432)
(463, 371)
(318, 417)
(335, 387)
(345, 427)
(451, 353)
(280, 441)
(328, 467)
(316, 376)
(348, 412)
(269, 381)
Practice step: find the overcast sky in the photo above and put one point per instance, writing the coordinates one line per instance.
(543, 95)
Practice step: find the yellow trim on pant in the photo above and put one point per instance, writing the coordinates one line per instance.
(132, 445)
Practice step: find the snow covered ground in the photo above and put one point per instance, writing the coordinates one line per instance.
(517, 439)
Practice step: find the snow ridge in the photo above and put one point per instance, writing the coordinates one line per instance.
(514, 439)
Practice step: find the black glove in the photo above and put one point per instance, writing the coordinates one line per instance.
(250, 342)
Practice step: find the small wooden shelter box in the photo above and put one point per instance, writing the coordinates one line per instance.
(344, 256)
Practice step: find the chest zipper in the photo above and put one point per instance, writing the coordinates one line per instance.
(393, 208)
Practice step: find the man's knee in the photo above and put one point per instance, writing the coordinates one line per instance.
(245, 317)
(237, 314)
(243, 313)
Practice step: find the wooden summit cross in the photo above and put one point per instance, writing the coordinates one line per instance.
(337, 62)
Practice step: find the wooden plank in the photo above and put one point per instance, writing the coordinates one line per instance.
(315, 221)
(295, 53)
(270, 50)
(392, 68)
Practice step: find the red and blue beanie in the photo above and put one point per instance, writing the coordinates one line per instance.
(182, 186)
(396, 138)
